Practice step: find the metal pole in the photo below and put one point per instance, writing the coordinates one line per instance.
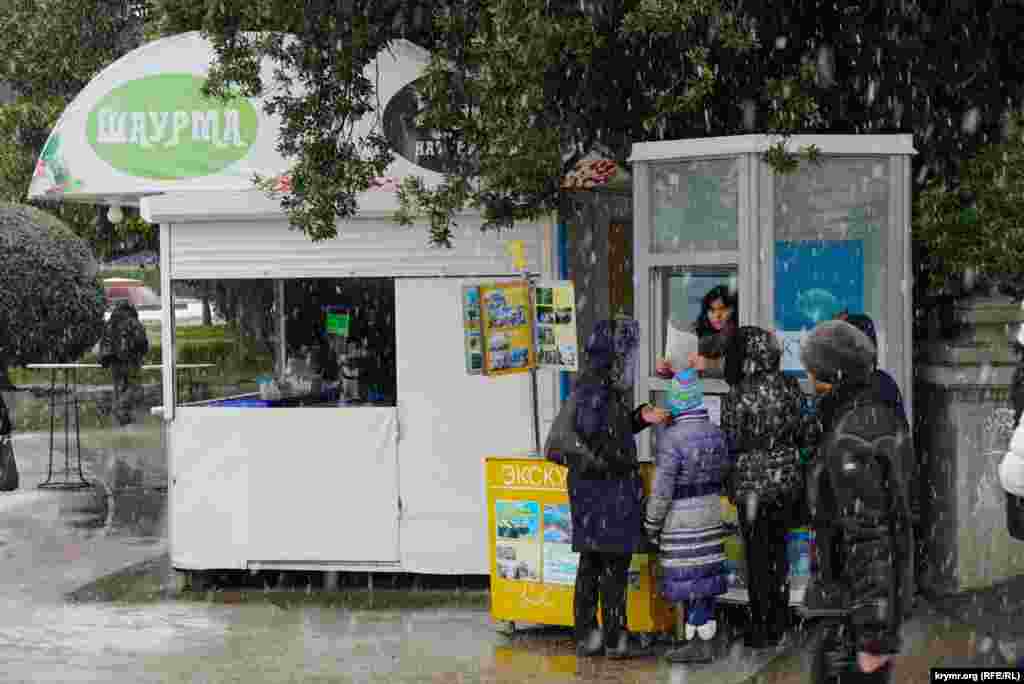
(534, 393)
(282, 346)
(53, 411)
(535, 401)
(78, 430)
(67, 427)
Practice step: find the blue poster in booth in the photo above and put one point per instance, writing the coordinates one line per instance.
(814, 281)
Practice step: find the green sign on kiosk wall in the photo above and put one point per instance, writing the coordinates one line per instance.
(338, 323)
(163, 127)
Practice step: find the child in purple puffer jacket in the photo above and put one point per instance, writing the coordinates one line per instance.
(684, 515)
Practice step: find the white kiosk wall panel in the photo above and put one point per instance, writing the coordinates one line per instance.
(336, 476)
(449, 422)
(209, 493)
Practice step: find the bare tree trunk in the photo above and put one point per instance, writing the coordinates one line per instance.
(207, 312)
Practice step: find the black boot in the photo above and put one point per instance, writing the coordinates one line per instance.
(825, 599)
(754, 636)
(696, 650)
(592, 645)
(622, 648)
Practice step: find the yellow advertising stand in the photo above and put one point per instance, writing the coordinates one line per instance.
(533, 569)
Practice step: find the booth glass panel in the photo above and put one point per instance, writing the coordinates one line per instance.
(221, 351)
(832, 225)
(677, 298)
(695, 205)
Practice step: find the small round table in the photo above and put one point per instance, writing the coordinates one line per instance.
(70, 399)
(75, 478)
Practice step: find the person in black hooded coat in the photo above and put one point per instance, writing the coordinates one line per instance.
(763, 420)
(593, 437)
(857, 492)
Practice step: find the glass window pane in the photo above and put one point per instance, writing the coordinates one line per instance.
(222, 350)
(339, 335)
(679, 300)
(831, 227)
(695, 205)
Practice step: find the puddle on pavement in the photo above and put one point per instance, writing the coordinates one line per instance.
(134, 512)
(175, 641)
(198, 641)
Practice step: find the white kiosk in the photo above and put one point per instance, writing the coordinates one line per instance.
(371, 488)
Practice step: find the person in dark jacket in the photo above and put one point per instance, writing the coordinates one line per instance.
(684, 515)
(857, 492)
(593, 437)
(886, 384)
(763, 419)
(123, 347)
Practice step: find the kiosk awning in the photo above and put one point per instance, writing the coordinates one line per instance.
(142, 127)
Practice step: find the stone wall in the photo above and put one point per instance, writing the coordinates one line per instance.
(964, 431)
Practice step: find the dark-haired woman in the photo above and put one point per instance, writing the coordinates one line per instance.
(717, 322)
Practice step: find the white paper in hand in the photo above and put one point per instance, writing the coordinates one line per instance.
(678, 346)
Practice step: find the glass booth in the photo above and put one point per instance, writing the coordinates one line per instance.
(796, 249)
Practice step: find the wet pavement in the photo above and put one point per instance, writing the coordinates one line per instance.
(54, 543)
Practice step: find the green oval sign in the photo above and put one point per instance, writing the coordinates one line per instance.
(162, 127)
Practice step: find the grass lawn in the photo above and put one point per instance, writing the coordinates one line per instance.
(146, 433)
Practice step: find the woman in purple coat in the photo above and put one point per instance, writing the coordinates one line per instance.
(684, 515)
(593, 437)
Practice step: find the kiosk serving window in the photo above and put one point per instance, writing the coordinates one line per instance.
(678, 294)
(298, 342)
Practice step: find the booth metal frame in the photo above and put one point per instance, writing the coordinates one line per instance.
(753, 256)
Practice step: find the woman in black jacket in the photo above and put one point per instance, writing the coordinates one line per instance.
(857, 491)
(764, 423)
(593, 437)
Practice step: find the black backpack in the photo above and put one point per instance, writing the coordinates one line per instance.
(5, 418)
